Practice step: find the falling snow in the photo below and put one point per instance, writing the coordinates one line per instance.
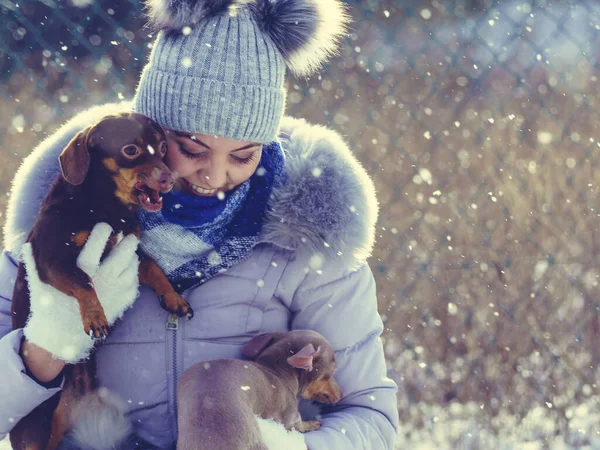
(479, 133)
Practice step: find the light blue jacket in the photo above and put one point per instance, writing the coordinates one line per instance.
(308, 271)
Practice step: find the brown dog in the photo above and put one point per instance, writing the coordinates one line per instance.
(218, 400)
(109, 170)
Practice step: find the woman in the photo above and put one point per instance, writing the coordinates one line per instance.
(269, 231)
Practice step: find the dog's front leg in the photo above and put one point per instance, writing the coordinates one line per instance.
(153, 276)
(304, 426)
(293, 421)
(80, 286)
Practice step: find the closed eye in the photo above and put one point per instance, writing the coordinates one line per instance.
(191, 155)
(247, 160)
(203, 155)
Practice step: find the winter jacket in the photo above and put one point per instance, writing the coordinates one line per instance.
(308, 271)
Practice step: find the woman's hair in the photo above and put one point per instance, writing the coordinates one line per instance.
(217, 66)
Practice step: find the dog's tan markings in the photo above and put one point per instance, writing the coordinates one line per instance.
(315, 388)
(59, 425)
(80, 237)
(125, 179)
(78, 383)
(320, 387)
(111, 164)
(139, 141)
(158, 137)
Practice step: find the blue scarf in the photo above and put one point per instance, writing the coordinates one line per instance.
(194, 238)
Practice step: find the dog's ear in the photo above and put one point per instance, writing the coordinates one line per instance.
(304, 358)
(259, 344)
(75, 159)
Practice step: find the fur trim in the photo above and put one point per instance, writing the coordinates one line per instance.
(327, 206)
(330, 208)
(174, 15)
(306, 32)
(99, 422)
(276, 437)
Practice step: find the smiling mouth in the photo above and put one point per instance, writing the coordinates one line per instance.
(202, 191)
(148, 198)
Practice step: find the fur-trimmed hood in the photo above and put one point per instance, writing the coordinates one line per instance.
(326, 207)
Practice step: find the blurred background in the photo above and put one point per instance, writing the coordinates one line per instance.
(478, 121)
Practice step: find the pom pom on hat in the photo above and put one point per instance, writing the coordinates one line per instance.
(174, 15)
(306, 32)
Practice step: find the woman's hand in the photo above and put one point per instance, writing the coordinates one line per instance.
(40, 362)
(55, 324)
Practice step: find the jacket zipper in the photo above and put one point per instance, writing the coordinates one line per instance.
(173, 325)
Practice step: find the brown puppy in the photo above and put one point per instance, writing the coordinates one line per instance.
(109, 170)
(218, 400)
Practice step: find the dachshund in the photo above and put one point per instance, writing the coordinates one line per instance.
(108, 171)
(218, 400)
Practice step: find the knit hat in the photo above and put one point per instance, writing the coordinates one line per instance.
(217, 67)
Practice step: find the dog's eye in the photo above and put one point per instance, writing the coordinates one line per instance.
(131, 151)
(163, 148)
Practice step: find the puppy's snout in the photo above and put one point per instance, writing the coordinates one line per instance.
(166, 180)
(335, 392)
(324, 391)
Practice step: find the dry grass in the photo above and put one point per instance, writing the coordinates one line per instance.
(486, 259)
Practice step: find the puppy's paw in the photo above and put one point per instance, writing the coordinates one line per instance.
(95, 325)
(307, 425)
(175, 304)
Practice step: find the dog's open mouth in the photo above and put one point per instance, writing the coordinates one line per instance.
(149, 199)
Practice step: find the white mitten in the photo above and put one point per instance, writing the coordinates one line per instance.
(54, 322)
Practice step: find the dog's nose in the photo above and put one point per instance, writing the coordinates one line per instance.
(166, 180)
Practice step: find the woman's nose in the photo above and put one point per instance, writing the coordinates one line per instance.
(215, 176)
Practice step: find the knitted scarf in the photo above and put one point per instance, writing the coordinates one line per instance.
(194, 238)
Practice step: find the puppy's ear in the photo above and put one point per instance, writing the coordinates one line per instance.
(75, 159)
(304, 358)
(259, 344)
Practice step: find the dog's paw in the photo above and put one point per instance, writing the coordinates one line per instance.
(96, 325)
(175, 304)
(307, 425)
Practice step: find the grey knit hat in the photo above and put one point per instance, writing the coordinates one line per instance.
(217, 67)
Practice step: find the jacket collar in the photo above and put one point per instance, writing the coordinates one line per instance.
(326, 208)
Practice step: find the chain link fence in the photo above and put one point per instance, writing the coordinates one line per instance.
(478, 122)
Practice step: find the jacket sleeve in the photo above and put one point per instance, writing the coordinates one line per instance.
(19, 392)
(342, 306)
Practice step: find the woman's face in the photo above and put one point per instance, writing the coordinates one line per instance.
(208, 164)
